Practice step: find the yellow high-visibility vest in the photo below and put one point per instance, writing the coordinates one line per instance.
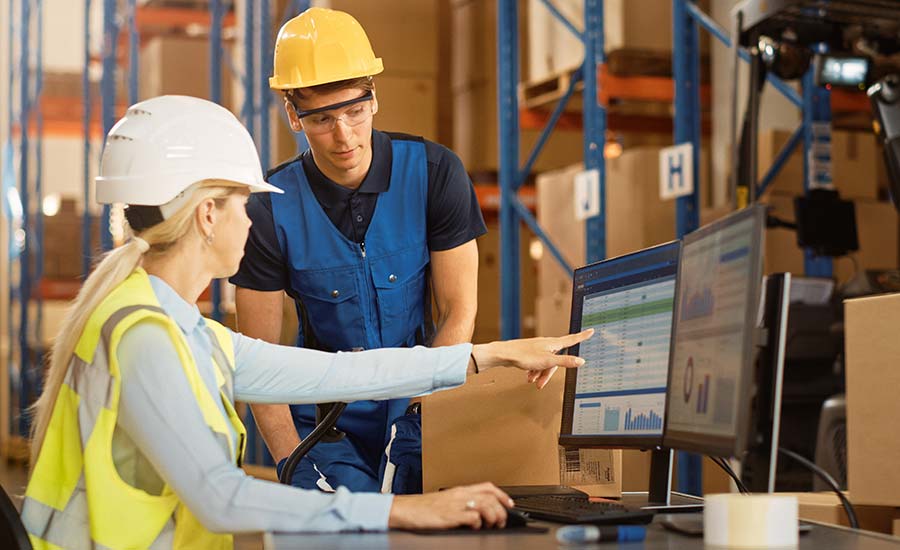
(75, 497)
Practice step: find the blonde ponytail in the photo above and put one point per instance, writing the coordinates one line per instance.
(115, 267)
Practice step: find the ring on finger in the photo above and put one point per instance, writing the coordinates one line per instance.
(470, 505)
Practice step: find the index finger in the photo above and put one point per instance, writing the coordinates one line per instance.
(570, 340)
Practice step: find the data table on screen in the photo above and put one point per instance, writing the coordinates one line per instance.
(620, 390)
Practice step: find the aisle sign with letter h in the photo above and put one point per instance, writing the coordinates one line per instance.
(676, 171)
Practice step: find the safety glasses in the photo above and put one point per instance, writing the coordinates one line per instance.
(324, 119)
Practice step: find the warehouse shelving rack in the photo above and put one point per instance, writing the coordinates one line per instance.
(18, 187)
(122, 35)
(816, 104)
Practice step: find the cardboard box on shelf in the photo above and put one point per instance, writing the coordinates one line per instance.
(627, 24)
(872, 348)
(473, 56)
(402, 33)
(552, 312)
(178, 65)
(877, 228)
(635, 218)
(855, 161)
(407, 105)
(487, 320)
(499, 428)
(62, 248)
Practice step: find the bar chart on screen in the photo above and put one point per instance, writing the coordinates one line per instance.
(620, 414)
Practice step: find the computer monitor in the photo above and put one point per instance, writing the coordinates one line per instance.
(617, 398)
(711, 371)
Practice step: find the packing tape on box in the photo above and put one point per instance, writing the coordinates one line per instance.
(750, 521)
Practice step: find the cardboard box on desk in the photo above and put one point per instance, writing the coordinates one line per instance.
(498, 428)
(871, 329)
(827, 508)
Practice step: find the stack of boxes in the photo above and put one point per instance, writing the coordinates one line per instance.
(871, 348)
(474, 84)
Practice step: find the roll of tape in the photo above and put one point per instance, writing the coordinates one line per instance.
(750, 521)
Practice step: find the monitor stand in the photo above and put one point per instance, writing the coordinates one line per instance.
(660, 498)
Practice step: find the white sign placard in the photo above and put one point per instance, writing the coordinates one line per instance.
(676, 171)
(587, 194)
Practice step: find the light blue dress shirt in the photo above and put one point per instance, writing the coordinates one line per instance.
(161, 436)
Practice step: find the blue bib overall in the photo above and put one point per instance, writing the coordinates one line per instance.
(356, 295)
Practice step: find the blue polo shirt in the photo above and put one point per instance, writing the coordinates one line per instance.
(453, 214)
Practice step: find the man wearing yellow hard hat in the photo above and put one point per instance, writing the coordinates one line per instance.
(371, 225)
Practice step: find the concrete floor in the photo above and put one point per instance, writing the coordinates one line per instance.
(14, 476)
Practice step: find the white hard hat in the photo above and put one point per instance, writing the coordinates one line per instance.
(164, 145)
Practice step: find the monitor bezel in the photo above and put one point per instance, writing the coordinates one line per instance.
(733, 446)
(566, 438)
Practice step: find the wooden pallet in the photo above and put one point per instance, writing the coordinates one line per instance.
(634, 62)
(548, 90)
(631, 62)
(630, 70)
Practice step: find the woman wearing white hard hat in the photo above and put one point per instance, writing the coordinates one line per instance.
(136, 441)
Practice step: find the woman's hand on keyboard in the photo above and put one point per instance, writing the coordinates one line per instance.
(475, 506)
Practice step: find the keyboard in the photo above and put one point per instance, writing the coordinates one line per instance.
(578, 509)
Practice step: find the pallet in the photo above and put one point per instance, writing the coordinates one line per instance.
(549, 90)
(635, 62)
(621, 66)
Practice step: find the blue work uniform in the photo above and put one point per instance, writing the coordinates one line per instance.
(356, 263)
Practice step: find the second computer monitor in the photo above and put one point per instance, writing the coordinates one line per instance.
(713, 343)
(617, 398)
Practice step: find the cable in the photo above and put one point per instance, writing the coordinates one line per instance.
(322, 428)
(737, 481)
(851, 513)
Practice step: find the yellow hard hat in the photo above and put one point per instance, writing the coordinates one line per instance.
(321, 46)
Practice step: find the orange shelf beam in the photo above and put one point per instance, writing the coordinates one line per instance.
(63, 118)
(846, 101)
(67, 289)
(640, 88)
(536, 119)
(57, 289)
(167, 17)
(489, 197)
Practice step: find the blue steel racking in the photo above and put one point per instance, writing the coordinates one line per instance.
(257, 24)
(24, 245)
(687, 19)
(26, 378)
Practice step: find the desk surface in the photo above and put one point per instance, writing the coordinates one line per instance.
(658, 538)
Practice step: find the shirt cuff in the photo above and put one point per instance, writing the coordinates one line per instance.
(450, 371)
(370, 511)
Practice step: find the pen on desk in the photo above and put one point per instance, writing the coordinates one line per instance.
(580, 534)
